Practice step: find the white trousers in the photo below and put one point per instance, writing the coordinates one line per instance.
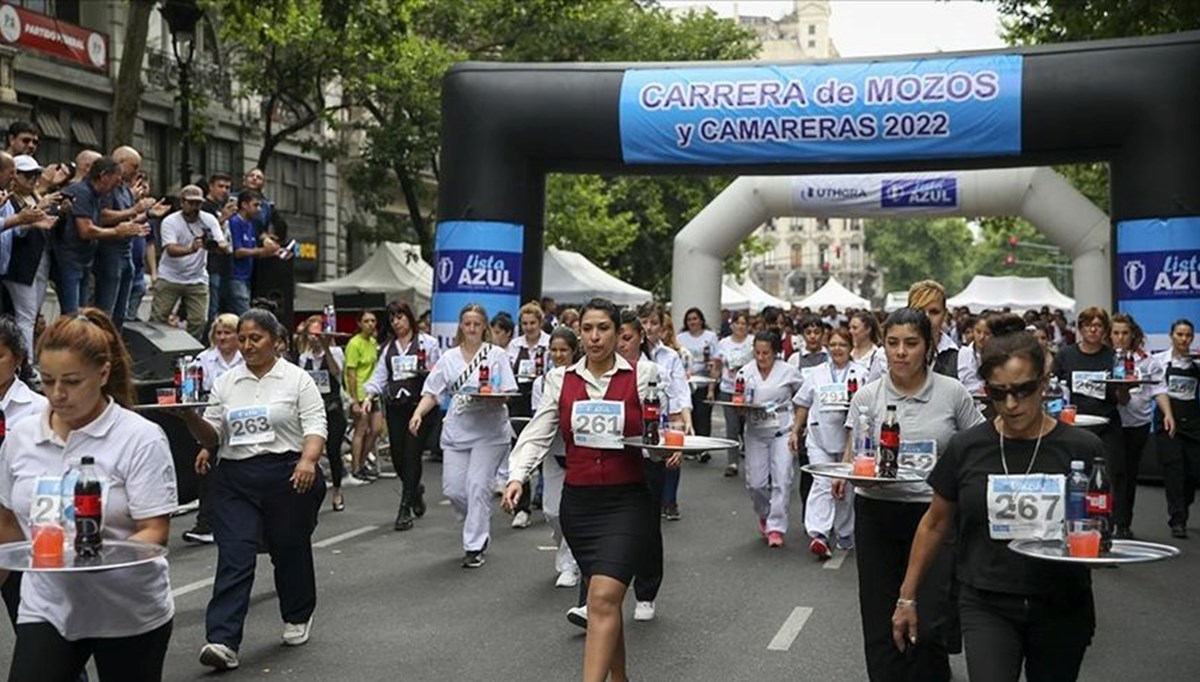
(552, 486)
(770, 469)
(467, 477)
(822, 513)
(27, 300)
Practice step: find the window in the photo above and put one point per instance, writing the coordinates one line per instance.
(856, 224)
(823, 224)
(154, 155)
(823, 254)
(812, 29)
(218, 157)
(812, 44)
(855, 257)
(769, 226)
(797, 255)
(795, 226)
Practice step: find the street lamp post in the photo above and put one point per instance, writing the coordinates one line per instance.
(181, 17)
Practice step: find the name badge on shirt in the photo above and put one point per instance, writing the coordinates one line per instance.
(833, 397)
(403, 366)
(525, 370)
(598, 423)
(249, 426)
(1025, 507)
(321, 378)
(1090, 384)
(1181, 387)
(918, 454)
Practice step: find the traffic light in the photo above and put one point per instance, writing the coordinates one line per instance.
(1012, 240)
(1009, 259)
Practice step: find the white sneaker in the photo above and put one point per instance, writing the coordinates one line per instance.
(567, 578)
(218, 656)
(577, 615)
(644, 611)
(295, 634)
(350, 480)
(521, 520)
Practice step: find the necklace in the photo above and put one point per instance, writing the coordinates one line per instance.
(1037, 446)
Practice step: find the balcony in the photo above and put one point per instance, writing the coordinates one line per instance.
(162, 72)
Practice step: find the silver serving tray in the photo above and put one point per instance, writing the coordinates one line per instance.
(845, 471)
(1123, 552)
(18, 556)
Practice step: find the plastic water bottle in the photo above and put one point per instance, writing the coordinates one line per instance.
(864, 439)
(1077, 488)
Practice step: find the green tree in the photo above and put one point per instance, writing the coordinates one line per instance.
(1032, 256)
(915, 249)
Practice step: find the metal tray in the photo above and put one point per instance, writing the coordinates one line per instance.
(1130, 382)
(702, 381)
(1123, 552)
(1090, 420)
(778, 407)
(155, 407)
(690, 444)
(497, 395)
(18, 556)
(845, 471)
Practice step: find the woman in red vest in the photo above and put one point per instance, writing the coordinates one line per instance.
(606, 508)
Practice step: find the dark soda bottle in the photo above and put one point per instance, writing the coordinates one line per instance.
(3, 427)
(421, 357)
(739, 390)
(539, 361)
(87, 510)
(852, 387)
(485, 378)
(889, 444)
(1099, 502)
(1130, 368)
(651, 410)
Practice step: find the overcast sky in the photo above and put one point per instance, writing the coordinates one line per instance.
(862, 28)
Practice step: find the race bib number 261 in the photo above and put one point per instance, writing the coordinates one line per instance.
(598, 423)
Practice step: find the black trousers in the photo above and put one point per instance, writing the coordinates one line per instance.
(883, 535)
(1180, 459)
(1133, 443)
(335, 421)
(250, 495)
(701, 412)
(406, 448)
(10, 590)
(1048, 635)
(647, 582)
(204, 511)
(43, 655)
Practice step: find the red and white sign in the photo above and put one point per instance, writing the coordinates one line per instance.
(23, 28)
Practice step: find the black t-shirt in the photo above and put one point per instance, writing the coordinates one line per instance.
(1071, 359)
(961, 476)
(218, 260)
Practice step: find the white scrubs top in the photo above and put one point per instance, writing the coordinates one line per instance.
(472, 421)
(779, 387)
(734, 356)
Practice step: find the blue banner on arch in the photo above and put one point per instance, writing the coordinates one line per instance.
(864, 111)
(1158, 272)
(475, 261)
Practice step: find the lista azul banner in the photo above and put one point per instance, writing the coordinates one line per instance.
(1158, 271)
(876, 194)
(866, 111)
(475, 262)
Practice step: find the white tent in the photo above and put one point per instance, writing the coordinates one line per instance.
(568, 277)
(1017, 293)
(834, 294)
(394, 269)
(758, 299)
(895, 301)
(732, 299)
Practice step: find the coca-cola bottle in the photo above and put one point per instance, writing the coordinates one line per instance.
(421, 358)
(651, 410)
(1099, 502)
(88, 510)
(539, 361)
(889, 444)
(1130, 367)
(852, 387)
(178, 379)
(485, 379)
(739, 390)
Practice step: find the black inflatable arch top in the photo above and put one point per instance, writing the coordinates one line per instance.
(1133, 102)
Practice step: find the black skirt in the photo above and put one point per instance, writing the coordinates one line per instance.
(608, 528)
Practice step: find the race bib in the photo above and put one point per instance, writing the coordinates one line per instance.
(833, 398)
(1026, 507)
(403, 365)
(249, 426)
(525, 370)
(321, 378)
(766, 418)
(49, 503)
(1090, 384)
(1181, 387)
(918, 454)
(598, 423)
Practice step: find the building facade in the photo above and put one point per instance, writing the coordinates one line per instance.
(64, 57)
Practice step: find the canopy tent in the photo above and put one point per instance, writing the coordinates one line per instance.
(834, 294)
(568, 277)
(1017, 293)
(895, 301)
(757, 298)
(395, 269)
(732, 299)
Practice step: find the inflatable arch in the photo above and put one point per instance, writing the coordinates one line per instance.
(1131, 102)
(1040, 195)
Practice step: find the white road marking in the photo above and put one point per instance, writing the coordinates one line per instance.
(790, 629)
(835, 562)
(547, 548)
(344, 536)
(191, 587)
(444, 503)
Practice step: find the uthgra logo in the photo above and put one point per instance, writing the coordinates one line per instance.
(479, 272)
(836, 193)
(924, 193)
(1135, 274)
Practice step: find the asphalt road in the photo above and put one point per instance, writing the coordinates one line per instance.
(397, 606)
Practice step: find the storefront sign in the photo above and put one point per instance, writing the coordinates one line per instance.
(26, 29)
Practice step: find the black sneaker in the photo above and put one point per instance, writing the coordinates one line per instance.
(404, 519)
(473, 560)
(1179, 531)
(704, 457)
(198, 536)
(671, 512)
(418, 506)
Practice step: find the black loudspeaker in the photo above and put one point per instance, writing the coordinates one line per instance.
(155, 347)
(275, 280)
(359, 302)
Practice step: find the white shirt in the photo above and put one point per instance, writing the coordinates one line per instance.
(215, 366)
(472, 421)
(734, 356)
(968, 369)
(133, 462)
(826, 428)
(873, 365)
(537, 438)
(696, 345)
(1140, 409)
(192, 268)
(679, 394)
(558, 447)
(377, 385)
(515, 346)
(19, 402)
(294, 408)
(779, 387)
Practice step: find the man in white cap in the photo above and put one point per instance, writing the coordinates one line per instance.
(26, 273)
(183, 272)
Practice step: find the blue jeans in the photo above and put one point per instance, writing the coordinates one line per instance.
(114, 280)
(72, 287)
(239, 296)
(136, 293)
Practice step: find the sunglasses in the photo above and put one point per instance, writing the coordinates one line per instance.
(1021, 391)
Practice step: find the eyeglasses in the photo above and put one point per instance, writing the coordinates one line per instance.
(1021, 391)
